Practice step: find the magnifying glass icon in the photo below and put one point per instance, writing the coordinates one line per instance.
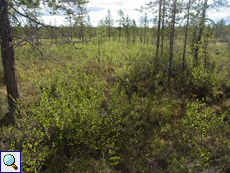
(9, 160)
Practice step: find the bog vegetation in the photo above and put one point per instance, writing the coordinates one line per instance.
(118, 102)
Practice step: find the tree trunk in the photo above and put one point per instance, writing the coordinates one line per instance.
(158, 29)
(82, 32)
(134, 35)
(144, 34)
(162, 29)
(8, 58)
(205, 53)
(119, 34)
(200, 31)
(186, 34)
(141, 34)
(171, 42)
(127, 33)
(71, 28)
(109, 31)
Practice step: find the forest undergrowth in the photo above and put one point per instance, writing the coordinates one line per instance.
(115, 112)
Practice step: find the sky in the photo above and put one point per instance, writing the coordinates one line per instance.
(98, 10)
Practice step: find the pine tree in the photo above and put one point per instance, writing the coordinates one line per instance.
(8, 58)
(186, 33)
(201, 26)
(109, 23)
(146, 25)
(158, 29)
(69, 18)
(120, 22)
(81, 18)
(127, 25)
(171, 43)
(134, 30)
(140, 10)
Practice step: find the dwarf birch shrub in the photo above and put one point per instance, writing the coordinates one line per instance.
(200, 128)
(74, 117)
(68, 119)
(202, 83)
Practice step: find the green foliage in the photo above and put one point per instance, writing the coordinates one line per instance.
(68, 114)
(203, 83)
(198, 127)
(105, 107)
(116, 115)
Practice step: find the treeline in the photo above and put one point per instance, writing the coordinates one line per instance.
(131, 33)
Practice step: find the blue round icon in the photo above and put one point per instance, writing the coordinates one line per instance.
(9, 159)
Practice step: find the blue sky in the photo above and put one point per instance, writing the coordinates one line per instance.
(98, 10)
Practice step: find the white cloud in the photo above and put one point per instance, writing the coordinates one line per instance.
(53, 20)
(98, 10)
(217, 15)
(128, 7)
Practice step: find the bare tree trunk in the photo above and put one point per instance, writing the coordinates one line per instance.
(82, 27)
(134, 36)
(127, 36)
(82, 32)
(200, 31)
(71, 28)
(162, 29)
(141, 34)
(144, 34)
(152, 36)
(158, 29)
(205, 53)
(171, 42)
(8, 57)
(119, 34)
(109, 31)
(186, 34)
